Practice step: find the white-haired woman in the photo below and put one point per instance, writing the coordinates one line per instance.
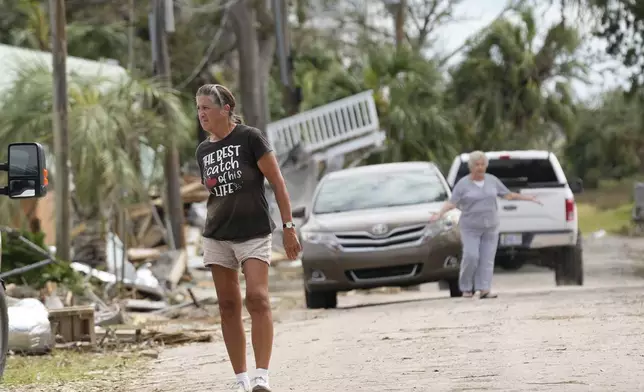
(476, 196)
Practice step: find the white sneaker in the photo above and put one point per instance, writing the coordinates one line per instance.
(260, 384)
(240, 387)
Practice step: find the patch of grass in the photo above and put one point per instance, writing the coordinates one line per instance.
(65, 366)
(615, 220)
(609, 207)
(610, 193)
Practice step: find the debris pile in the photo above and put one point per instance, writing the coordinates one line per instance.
(147, 294)
(133, 300)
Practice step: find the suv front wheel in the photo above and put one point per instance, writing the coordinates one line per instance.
(569, 265)
(454, 289)
(321, 299)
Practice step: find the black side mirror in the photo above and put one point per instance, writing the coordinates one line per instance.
(299, 212)
(27, 171)
(576, 185)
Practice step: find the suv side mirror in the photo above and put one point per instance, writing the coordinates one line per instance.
(27, 171)
(299, 212)
(576, 185)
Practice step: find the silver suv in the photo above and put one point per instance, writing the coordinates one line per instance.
(369, 227)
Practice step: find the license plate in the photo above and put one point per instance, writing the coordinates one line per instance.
(511, 239)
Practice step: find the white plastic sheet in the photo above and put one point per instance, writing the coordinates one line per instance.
(115, 255)
(29, 327)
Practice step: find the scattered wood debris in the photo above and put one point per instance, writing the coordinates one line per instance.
(146, 293)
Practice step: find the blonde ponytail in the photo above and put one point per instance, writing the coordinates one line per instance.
(237, 119)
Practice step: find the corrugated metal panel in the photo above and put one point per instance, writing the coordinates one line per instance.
(12, 58)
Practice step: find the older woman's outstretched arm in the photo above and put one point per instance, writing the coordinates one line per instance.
(450, 204)
(503, 192)
(518, 196)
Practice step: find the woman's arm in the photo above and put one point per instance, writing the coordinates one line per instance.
(518, 196)
(503, 192)
(271, 170)
(448, 206)
(268, 165)
(455, 198)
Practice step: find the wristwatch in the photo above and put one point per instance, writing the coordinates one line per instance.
(288, 225)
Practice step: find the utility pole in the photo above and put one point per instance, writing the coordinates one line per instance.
(174, 202)
(61, 131)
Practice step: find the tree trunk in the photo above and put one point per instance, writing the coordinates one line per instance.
(244, 21)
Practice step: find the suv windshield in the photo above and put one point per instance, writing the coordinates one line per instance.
(525, 173)
(392, 189)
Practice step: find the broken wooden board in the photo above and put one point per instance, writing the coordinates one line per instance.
(141, 254)
(143, 305)
(170, 268)
(128, 335)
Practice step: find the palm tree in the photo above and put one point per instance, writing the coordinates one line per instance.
(407, 89)
(27, 24)
(418, 125)
(108, 121)
(513, 90)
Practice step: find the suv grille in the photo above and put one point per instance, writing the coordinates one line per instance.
(400, 271)
(360, 241)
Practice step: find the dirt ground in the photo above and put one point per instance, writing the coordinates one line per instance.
(534, 337)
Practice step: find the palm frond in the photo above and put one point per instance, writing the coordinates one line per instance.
(105, 119)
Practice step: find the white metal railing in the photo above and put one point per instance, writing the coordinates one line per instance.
(327, 125)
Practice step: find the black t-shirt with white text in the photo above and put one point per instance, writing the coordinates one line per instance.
(237, 205)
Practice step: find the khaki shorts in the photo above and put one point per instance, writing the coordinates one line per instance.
(233, 254)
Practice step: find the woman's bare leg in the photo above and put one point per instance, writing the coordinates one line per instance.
(259, 307)
(230, 308)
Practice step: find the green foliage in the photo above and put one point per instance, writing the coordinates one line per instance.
(508, 92)
(622, 27)
(16, 254)
(502, 83)
(107, 121)
(512, 88)
(93, 42)
(609, 141)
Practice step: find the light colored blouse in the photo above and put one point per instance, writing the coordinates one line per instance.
(478, 203)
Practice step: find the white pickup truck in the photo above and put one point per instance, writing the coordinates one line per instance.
(546, 235)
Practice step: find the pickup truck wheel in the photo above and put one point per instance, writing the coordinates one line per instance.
(321, 299)
(454, 290)
(509, 263)
(569, 268)
(4, 329)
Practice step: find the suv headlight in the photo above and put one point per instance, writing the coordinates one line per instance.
(326, 239)
(446, 223)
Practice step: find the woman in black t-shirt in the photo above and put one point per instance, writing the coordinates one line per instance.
(234, 160)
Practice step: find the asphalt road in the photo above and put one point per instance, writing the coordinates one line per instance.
(534, 337)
